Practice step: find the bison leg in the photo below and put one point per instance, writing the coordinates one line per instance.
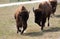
(42, 26)
(24, 27)
(48, 20)
(43, 23)
(18, 30)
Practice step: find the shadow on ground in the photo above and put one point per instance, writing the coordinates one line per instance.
(58, 16)
(33, 34)
(52, 29)
(40, 33)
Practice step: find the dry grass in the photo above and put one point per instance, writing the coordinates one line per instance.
(8, 25)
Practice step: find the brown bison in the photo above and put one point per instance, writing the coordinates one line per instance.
(21, 17)
(54, 5)
(42, 13)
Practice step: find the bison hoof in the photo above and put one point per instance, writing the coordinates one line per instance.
(19, 30)
(48, 25)
(22, 32)
(42, 29)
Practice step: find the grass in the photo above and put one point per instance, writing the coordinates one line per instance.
(8, 25)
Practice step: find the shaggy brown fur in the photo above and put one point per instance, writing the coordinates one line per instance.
(54, 5)
(42, 13)
(21, 17)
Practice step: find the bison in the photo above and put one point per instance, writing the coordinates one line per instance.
(42, 13)
(21, 17)
(54, 5)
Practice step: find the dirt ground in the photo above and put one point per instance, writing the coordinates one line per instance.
(33, 31)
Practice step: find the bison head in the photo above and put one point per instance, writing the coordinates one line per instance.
(25, 15)
(38, 16)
